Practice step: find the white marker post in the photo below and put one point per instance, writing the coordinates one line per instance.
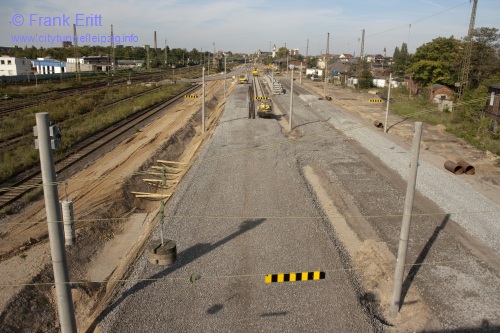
(203, 101)
(291, 101)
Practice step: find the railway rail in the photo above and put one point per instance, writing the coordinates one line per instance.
(32, 179)
(13, 105)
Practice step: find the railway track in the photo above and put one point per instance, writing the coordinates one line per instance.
(31, 179)
(263, 104)
(4, 145)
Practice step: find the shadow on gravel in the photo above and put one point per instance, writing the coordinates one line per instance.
(183, 258)
(421, 258)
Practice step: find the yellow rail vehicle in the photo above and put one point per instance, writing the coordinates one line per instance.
(255, 72)
(265, 109)
(243, 78)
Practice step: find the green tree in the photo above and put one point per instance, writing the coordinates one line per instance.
(485, 56)
(437, 62)
(312, 62)
(365, 81)
(401, 59)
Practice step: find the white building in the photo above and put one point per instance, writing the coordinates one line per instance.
(12, 66)
(73, 60)
(49, 66)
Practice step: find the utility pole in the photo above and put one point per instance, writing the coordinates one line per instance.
(147, 58)
(307, 53)
(55, 228)
(286, 50)
(326, 62)
(362, 55)
(300, 75)
(203, 101)
(75, 39)
(166, 55)
(291, 103)
(225, 77)
(464, 72)
(388, 100)
(405, 225)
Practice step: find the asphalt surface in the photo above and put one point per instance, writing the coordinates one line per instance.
(244, 211)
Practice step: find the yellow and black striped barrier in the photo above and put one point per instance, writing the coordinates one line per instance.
(293, 277)
(190, 96)
(375, 100)
(261, 98)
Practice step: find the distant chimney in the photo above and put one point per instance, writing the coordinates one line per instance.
(155, 40)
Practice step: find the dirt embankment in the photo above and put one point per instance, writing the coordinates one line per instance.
(104, 208)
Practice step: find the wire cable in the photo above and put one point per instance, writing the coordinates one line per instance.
(229, 276)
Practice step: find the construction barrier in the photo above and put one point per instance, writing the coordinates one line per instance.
(190, 96)
(375, 100)
(293, 277)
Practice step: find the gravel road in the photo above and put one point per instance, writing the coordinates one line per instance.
(244, 210)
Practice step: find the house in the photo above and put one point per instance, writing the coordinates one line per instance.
(440, 93)
(13, 66)
(99, 63)
(322, 59)
(443, 96)
(345, 57)
(492, 108)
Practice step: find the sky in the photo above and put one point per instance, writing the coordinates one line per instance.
(244, 26)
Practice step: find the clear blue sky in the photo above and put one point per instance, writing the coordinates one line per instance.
(246, 26)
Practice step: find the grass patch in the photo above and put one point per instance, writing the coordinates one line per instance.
(464, 121)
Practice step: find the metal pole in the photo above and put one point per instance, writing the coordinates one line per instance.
(203, 101)
(387, 107)
(291, 103)
(55, 228)
(405, 225)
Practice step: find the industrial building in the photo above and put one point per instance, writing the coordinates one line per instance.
(12, 66)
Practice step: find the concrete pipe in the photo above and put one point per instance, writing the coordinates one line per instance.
(453, 167)
(468, 169)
